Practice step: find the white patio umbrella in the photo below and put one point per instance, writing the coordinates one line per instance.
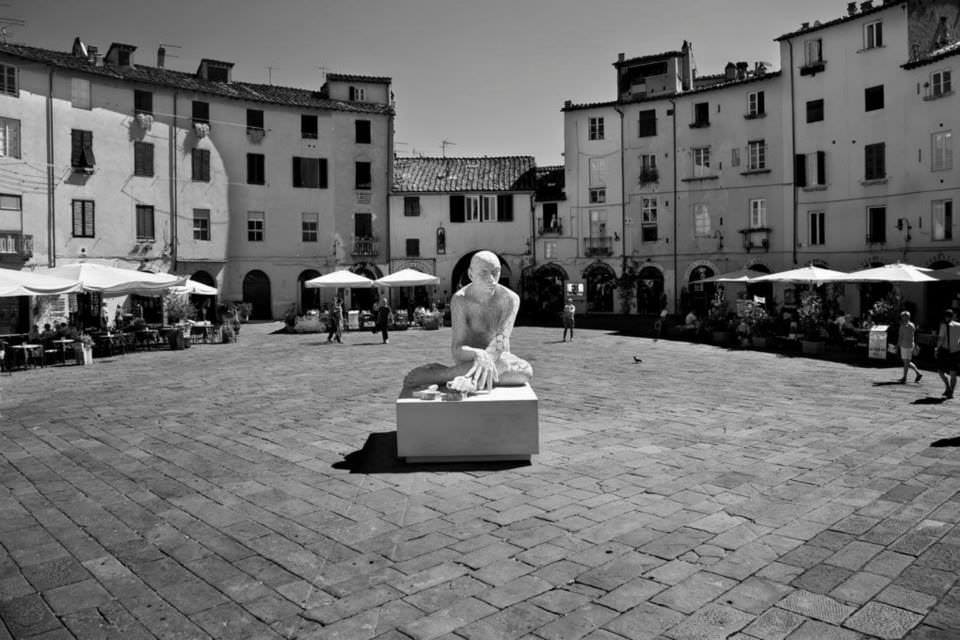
(117, 281)
(339, 279)
(897, 272)
(30, 283)
(740, 275)
(805, 275)
(195, 288)
(408, 278)
(950, 273)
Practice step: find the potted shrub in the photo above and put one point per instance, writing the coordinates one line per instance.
(813, 328)
(83, 350)
(760, 325)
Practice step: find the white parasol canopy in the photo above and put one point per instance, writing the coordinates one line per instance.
(740, 275)
(950, 273)
(339, 279)
(30, 283)
(195, 288)
(897, 272)
(805, 275)
(408, 278)
(117, 281)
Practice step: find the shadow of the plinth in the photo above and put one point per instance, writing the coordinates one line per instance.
(946, 442)
(379, 455)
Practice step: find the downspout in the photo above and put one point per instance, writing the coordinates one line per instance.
(173, 185)
(676, 211)
(51, 203)
(389, 189)
(793, 153)
(623, 201)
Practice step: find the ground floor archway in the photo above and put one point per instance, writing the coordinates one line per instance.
(362, 298)
(256, 291)
(601, 283)
(307, 297)
(941, 295)
(650, 295)
(700, 294)
(460, 276)
(544, 291)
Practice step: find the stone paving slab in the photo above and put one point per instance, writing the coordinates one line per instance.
(252, 490)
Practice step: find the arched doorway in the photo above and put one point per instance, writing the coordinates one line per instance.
(940, 295)
(870, 292)
(308, 298)
(701, 294)
(206, 305)
(761, 289)
(256, 291)
(461, 278)
(601, 283)
(650, 298)
(547, 283)
(363, 299)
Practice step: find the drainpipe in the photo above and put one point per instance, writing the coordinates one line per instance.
(51, 203)
(623, 200)
(676, 211)
(387, 240)
(173, 185)
(793, 152)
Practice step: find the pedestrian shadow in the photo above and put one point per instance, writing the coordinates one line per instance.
(555, 341)
(929, 400)
(946, 442)
(379, 455)
(887, 383)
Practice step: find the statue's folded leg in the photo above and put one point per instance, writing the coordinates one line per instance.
(513, 371)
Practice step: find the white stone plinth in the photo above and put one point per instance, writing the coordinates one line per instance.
(500, 425)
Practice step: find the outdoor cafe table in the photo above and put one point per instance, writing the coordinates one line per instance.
(26, 352)
(62, 343)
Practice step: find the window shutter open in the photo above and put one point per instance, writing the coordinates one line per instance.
(800, 170)
(323, 173)
(505, 208)
(76, 148)
(760, 108)
(456, 208)
(821, 167)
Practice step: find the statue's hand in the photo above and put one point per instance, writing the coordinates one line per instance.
(497, 346)
(484, 370)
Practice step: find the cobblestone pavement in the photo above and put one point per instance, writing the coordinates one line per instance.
(250, 491)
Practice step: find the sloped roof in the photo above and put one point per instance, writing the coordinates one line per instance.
(816, 26)
(457, 175)
(654, 57)
(349, 77)
(163, 77)
(936, 55)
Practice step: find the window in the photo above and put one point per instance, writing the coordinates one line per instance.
(480, 208)
(83, 218)
(734, 156)
(358, 94)
(9, 138)
(256, 220)
(8, 79)
(876, 224)
(142, 102)
(145, 229)
(411, 206)
(648, 220)
(551, 218)
(701, 162)
(701, 220)
(941, 157)
(815, 110)
(201, 224)
(254, 120)
(80, 93)
(942, 219)
(810, 169)
(310, 173)
(756, 155)
(309, 226)
(362, 131)
(813, 52)
(701, 114)
(758, 213)
(308, 127)
(817, 229)
(598, 169)
(363, 178)
(647, 123)
(598, 196)
(873, 35)
(549, 250)
(940, 83)
(755, 104)
(143, 159)
(363, 225)
(875, 161)
(505, 208)
(201, 112)
(413, 247)
(648, 168)
(10, 202)
(81, 149)
(256, 168)
(596, 128)
(873, 98)
(200, 165)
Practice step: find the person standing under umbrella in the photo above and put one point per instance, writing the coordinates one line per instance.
(384, 318)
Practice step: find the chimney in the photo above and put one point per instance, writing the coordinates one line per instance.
(94, 56)
(851, 8)
(804, 26)
(730, 71)
(620, 57)
(567, 104)
(866, 5)
(742, 70)
(161, 57)
(760, 69)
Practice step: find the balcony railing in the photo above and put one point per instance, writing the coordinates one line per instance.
(16, 244)
(555, 228)
(366, 246)
(649, 175)
(598, 246)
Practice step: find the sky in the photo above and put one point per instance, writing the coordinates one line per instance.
(488, 76)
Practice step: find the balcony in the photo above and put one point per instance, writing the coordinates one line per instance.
(553, 228)
(813, 68)
(649, 175)
(15, 244)
(598, 246)
(366, 246)
(756, 238)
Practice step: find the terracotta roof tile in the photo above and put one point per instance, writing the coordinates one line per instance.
(457, 175)
(886, 4)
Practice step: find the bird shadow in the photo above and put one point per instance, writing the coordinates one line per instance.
(379, 455)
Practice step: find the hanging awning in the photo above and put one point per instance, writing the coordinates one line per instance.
(31, 283)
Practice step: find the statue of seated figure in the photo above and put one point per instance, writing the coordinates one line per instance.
(482, 314)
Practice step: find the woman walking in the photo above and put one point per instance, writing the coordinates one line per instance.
(336, 322)
(907, 343)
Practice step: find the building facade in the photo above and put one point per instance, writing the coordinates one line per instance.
(252, 188)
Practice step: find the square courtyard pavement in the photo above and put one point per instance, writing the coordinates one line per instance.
(251, 490)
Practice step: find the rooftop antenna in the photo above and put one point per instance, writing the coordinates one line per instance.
(6, 23)
(270, 74)
(323, 72)
(444, 144)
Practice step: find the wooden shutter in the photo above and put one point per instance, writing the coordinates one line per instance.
(505, 208)
(323, 173)
(800, 170)
(760, 106)
(821, 167)
(457, 208)
(76, 148)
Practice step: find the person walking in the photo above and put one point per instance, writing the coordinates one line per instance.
(336, 322)
(906, 341)
(569, 313)
(948, 352)
(384, 318)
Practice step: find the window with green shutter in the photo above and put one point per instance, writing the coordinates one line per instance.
(457, 208)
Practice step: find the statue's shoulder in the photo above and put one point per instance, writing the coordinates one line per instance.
(509, 294)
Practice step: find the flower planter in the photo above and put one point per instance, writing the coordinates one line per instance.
(812, 347)
(759, 342)
(722, 337)
(83, 354)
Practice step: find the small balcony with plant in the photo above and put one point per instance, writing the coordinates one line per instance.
(365, 246)
(598, 246)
